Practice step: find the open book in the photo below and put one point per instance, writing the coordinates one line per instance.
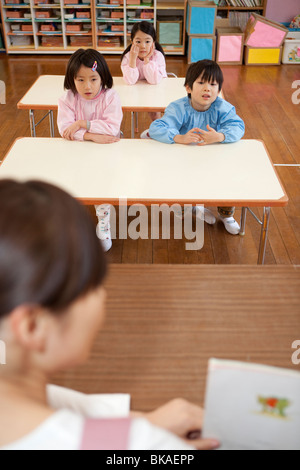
(252, 406)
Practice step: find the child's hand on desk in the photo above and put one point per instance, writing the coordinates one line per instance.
(71, 130)
(101, 138)
(191, 137)
(210, 136)
(183, 419)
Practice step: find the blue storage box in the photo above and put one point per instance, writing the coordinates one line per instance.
(292, 30)
(201, 18)
(200, 48)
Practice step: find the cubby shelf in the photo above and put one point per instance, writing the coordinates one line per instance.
(64, 29)
(59, 27)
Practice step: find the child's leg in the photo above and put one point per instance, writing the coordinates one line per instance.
(103, 227)
(153, 117)
(226, 216)
(200, 211)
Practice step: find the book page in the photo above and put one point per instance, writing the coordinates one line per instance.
(251, 406)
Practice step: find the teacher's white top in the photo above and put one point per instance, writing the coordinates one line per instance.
(142, 96)
(144, 170)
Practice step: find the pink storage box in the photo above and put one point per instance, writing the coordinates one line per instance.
(230, 46)
(261, 32)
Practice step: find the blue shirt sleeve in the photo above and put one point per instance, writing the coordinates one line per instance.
(165, 129)
(231, 125)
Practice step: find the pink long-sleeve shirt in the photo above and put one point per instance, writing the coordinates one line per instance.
(153, 72)
(104, 113)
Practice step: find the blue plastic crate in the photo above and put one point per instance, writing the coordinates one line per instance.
(201, 18)
(201, 48)
(290, 29)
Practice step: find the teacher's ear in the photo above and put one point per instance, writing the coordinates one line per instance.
(29, 325)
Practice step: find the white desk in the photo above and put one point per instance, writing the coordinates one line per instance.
(47, 89)
(139, 170)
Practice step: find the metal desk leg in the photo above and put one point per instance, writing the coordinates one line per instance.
(264, 235)
(32, 123)
(132, 124)
(136, 122)
(243, 221)
(51, 123)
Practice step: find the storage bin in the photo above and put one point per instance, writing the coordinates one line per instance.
(147, 15)
(200, 48)
(201, 18)
(80, 41)
(83, 14)
(261, 32)
(47, 27)
(73, 27)
(43, 14)
(230, 46)
(291, 49)
(14, 14)
(52, 41)
(117, 14)
(263, 55)
(27, 27)
(117, 28)
(169, 33)
(21, 41)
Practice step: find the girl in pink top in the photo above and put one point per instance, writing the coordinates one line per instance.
(144, 59)
(91, 110)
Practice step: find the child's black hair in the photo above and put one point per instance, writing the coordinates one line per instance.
(208, 70)
(87, 57)
(147, 28)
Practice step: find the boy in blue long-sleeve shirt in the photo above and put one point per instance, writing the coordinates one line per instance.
(202, 118)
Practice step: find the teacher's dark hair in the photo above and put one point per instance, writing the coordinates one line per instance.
(49, 252)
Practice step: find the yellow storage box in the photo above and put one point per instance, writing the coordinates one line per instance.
(263, 55)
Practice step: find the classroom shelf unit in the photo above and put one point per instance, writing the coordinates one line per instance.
(239, 15)
(62, 26)
(2, 49)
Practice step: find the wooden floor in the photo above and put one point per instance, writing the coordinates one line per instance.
(263, 98)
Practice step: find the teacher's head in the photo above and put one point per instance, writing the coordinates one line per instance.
(51, 272)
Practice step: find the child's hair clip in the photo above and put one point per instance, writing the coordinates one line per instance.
(94, 68)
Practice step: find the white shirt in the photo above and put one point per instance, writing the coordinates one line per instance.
(63, 429)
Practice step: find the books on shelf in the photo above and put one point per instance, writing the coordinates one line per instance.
(239, 19)
(241, 3)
